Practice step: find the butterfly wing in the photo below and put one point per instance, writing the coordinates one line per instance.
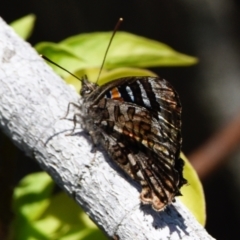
(138, 123)
(158, 177)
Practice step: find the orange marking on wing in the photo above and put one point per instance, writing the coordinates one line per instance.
(115, 93)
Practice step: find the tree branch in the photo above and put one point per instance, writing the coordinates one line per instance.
(32, 101)
(214, 152)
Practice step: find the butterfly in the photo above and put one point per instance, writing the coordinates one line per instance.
(137, 120)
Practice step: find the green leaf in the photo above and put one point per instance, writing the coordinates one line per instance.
(193, 195)
(85, 51)
(40, 215)
(61, 55)
(34, 189)
(127, 50)
(108, 76)
(24, 26)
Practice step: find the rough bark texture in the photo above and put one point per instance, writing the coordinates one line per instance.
(32, 101)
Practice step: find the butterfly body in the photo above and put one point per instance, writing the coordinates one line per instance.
(137, 120)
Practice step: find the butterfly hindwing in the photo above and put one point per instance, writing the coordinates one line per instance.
(137, 121)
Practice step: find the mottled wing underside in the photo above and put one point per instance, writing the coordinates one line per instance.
(137, 120)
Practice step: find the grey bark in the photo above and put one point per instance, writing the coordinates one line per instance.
(32, 101)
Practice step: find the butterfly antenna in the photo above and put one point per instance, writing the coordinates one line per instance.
(109, 44)
(47, 59)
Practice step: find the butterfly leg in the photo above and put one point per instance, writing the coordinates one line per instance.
(75, 123)
(68, 109)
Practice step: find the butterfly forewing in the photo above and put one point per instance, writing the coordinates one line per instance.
(137, 120)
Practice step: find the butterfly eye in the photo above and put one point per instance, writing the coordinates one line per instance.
(88, 91)
(85, 91)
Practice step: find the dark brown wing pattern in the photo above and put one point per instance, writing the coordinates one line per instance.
(137, 120)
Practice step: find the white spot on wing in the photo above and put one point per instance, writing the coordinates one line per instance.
(130, 93)
(144, 95)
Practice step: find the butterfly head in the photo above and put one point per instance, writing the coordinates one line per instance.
(87, 87)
